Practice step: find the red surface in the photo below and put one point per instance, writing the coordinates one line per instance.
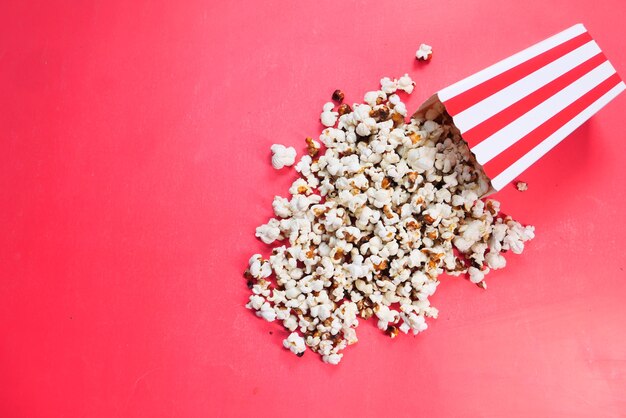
(135, 166)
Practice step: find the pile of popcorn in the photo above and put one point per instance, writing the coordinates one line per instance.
(381, 209)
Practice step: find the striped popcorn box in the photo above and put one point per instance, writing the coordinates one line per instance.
(515, 111)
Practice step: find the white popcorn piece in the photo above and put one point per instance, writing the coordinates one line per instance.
(267, 312)
(416, 323)
(406, 83)
(421, 159)
(332, 358)
(281, 207)
(394, 100)
(304, 165)
(300, 186)
(381, 198)
(401, 109)
(388, 85)
(477, 275)
(364, 128)
(282, 156)
(495, 260)
(371, 98)
(386, 316)
(295, 343)
(269, 232)
(291, 323)
(258, 268)
(424, 52)
(328, 116)
(255, 302)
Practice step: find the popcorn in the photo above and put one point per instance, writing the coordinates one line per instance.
(255, 302)
(385, 316)
(281, 207)
(521, 186)
(375, 218)
(300, 186)
(313, 147)
(295, 343)
(424, 53)
(269, 232)
(283, 156)
(371, 98)
(476, 275)
(365, 128)
(338, 96)
(421, 159)
(267, 312)
(406, 83)
(259, 269)
(495, 260)
(332, 358)
(388, 86)
(328, 117)
(291, 323)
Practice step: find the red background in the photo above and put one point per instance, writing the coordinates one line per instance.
(135, 166)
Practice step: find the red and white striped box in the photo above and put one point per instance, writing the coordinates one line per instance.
(515, 111)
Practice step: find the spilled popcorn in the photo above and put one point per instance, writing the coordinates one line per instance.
(424, 52)
(282, 156)
(381, 209)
